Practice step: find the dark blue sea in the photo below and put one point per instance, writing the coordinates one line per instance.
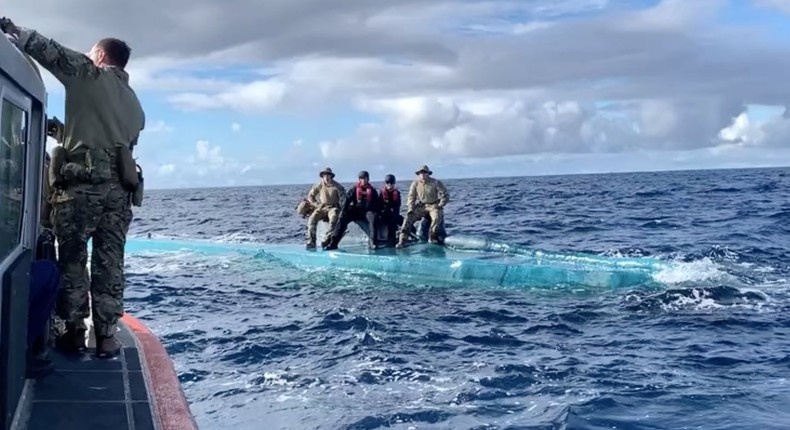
(263, 345)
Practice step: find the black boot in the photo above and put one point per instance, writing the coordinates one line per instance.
(107, 346)
(38, 362)
(72, 341)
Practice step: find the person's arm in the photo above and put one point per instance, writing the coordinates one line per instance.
(411, 199)
(397, 200)
(350, 197)
(444, 195)
(65, 64)
(46, 206)
(375, 202)
(342, 193)
(312, 195)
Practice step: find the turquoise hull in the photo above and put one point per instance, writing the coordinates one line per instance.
(462, 261)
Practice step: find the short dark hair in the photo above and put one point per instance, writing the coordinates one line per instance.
(117, 51)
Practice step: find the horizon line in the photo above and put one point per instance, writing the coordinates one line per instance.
(501, 177)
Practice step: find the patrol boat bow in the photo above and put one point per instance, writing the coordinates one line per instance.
(140, 389)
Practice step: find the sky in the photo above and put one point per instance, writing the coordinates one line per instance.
(256, 92)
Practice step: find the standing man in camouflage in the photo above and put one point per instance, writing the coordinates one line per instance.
(426, 196)
(328, 197)
(92, 201)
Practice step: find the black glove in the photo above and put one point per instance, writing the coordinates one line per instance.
(7, 26)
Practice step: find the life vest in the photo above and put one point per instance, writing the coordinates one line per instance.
(368, 193)
(390, 196)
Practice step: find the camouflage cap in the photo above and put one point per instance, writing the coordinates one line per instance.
(425, 169)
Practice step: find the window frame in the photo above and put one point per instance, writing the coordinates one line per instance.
(17, 98)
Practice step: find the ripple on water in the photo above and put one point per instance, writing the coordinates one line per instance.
(261, 345)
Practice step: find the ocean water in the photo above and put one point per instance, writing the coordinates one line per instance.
(262, 345)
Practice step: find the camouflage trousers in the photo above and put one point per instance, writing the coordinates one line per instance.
(437, 217)
(101, 213)
(328, 214)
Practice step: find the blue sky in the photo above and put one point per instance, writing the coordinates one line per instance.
(470, 87)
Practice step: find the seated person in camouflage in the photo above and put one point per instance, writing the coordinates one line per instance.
(328, 197)
(426, 196)
(362, 206)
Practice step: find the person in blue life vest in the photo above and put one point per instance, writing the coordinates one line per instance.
(389, 212)
(362, 207)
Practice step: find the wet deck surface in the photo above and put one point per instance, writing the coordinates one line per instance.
(87, 393)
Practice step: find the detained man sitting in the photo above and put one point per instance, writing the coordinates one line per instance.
(362, 205)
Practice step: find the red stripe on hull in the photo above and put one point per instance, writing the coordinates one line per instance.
(169, 402)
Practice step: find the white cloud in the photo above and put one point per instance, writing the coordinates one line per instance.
(783, 5)
(247, 98)
(166, 169)
(208, 165)
(771, 133)
(469, 126)
(206, 153)
(157, 127)
(489, 101)
(672, 15)
(454, 79)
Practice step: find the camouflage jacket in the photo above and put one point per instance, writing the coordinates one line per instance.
(327, 195)
(430, 192)
(102, 110)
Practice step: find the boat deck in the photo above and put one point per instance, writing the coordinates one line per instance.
(88, 393)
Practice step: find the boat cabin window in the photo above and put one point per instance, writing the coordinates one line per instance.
(13, 134)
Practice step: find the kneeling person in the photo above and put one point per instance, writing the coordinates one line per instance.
(362, 205)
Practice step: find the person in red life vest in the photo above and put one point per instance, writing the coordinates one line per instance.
(362, 207)
(390, 208)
